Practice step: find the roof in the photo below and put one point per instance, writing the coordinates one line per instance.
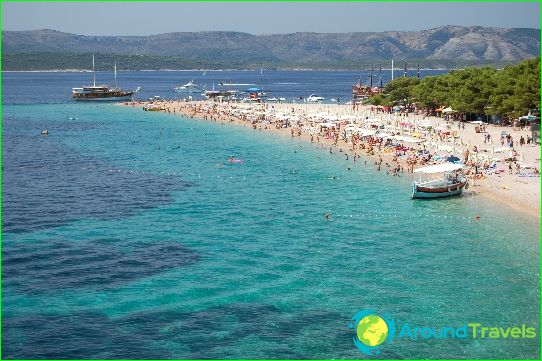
(440, 168)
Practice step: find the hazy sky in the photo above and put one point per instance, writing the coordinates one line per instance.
(136, 18)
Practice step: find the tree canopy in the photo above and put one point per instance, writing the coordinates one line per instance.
(510, 92)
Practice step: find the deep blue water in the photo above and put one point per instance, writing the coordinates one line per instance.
(124, 237)
(22, 87)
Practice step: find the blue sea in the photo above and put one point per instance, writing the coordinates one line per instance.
(126, 234)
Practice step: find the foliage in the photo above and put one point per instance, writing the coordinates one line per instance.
(431, 92)
(76, 60)
(517, 89)
(510, 92)
(400, 89)
(470, 89)
(379, 99)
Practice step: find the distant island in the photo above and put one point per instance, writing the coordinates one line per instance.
(442, 47)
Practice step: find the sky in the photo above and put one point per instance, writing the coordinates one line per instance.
(146, 18)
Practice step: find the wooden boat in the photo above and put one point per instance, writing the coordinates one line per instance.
(102, 92)
(450, 181)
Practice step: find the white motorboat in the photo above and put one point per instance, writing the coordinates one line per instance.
(449, 182)
(189, 87)
(314, 99)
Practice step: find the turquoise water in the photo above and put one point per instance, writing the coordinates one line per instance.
(127, 235)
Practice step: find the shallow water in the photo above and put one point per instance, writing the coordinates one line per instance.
(128, 235)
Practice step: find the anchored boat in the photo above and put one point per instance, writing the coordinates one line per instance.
(189, 87)
(101, 92)
(450, 181)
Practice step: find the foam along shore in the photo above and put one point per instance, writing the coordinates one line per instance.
(396, 143)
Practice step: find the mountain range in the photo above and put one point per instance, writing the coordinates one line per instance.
(473, 43)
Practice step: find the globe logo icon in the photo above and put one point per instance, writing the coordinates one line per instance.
(372, 330)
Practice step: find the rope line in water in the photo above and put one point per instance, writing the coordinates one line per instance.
(330, 215)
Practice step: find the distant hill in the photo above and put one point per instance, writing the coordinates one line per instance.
(458, 43)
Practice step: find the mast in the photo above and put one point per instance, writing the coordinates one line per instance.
(380, 76)
(404, 74)
(391, 69)
(93, 71)
(115, 74)
(418, 71)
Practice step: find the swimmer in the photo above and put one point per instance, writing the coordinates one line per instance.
(326, 215)
(477, 218)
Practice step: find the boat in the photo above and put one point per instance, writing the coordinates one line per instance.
(314, 99)
(450, 182)
(212, 94)
(153, 108)
(102, 92)
(189, 87)
(256, 91)
(225, 94)
(361, 92)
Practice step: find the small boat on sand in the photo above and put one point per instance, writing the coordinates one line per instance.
(449, 182)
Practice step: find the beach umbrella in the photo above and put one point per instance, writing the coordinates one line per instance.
(448, 110)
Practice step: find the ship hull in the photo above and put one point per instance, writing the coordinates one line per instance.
(104, 98)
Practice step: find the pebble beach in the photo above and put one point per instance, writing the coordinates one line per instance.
(396, 143)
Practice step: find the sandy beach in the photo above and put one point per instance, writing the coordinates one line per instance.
(332, 126)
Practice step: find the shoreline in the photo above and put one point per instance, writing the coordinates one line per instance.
(496, 187)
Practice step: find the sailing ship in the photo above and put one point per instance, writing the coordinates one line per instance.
(101, 92)
(362, 92)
